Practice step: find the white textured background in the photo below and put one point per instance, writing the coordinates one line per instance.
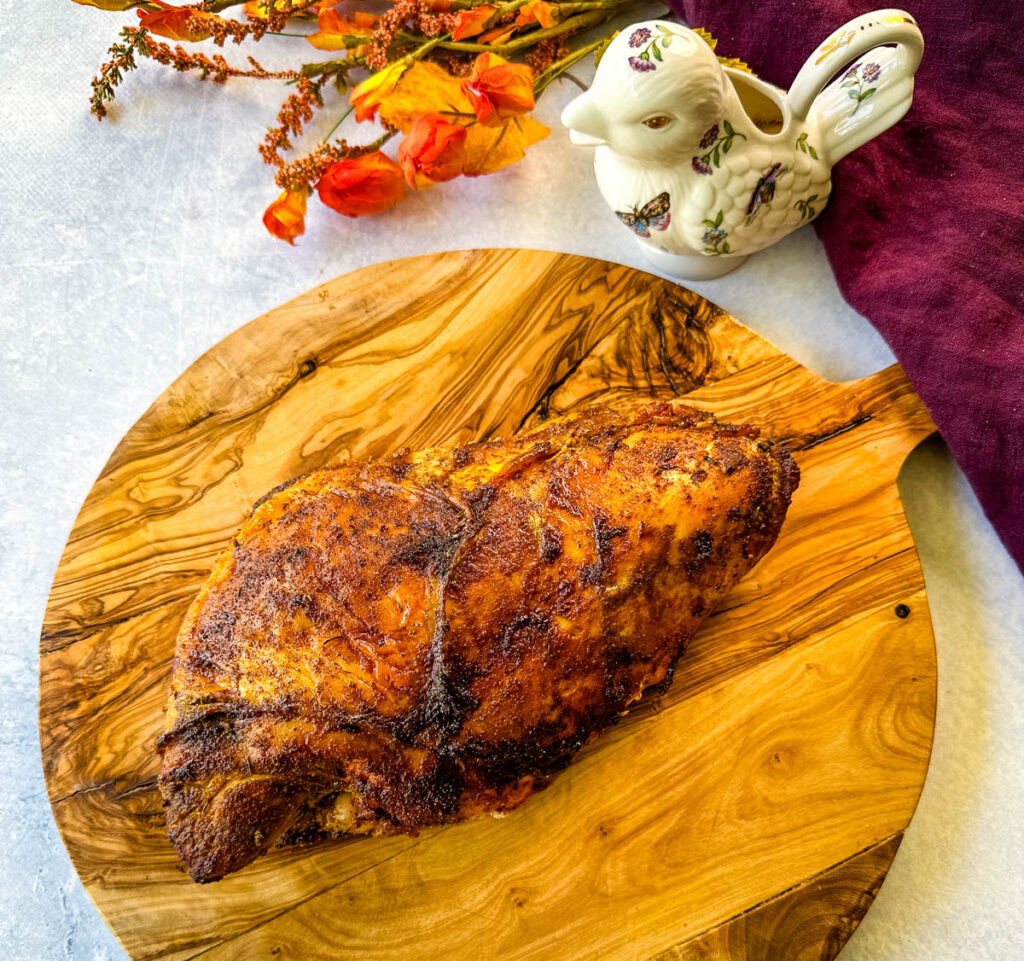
(129, 248)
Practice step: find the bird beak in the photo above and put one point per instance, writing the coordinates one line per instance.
(586, 126)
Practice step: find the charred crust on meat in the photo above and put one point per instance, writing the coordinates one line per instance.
(703, 543)
(604, 533)
(550, 543)
(393, 644)
(427, 550)
(276, 490)
(478, 500)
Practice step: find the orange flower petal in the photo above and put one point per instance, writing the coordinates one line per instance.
(498, 35)
(537, 11)
(498, 89)
(427, 87)
(335, 32)
(434, 151)
(285, 218)
(376, 88)
(360, 186)
(489, 148)
(472, 22)
(174, 22)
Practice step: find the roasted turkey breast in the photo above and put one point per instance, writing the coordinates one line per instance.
(431, 637)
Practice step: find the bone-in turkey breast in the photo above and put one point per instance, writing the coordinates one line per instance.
(431, 637)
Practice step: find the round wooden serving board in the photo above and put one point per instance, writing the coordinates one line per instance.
(751, 812)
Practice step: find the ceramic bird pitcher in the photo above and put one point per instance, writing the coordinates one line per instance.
(707, 164)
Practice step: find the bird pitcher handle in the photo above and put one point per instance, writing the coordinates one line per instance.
(873, 94)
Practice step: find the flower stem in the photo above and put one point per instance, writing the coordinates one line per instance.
(581, 6)
(597, 12)
(328, 67)
(381, 140)
(570, 25)
(341, 120)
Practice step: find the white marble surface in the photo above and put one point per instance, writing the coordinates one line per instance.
(128, 248)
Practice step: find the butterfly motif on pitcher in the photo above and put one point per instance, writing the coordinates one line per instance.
(764, 191)
(654, 215)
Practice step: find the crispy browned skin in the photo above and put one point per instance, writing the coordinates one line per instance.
(428, 638)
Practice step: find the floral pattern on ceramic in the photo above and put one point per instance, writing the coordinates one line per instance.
(856, 79)
(715, 235)
(654, 215)
(743, 162)
(808, 148)
(804, 205)
(650, 55)
(716, 145)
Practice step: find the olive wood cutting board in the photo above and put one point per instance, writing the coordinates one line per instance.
(751, 811)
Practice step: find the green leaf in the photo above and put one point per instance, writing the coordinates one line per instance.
(867, 93)
(656, 52)
(812, 198)
(645, 56)
(725, 247)
(728, 128)
(727, 145)
(709, 223)
(850, 83)
(666, 42)
(716, 157)
(663, 29)
(852, 94)
(812, 151)
(718, 220)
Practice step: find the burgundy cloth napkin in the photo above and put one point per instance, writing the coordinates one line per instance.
(925, 227)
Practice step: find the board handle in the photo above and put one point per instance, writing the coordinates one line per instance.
(890, 401)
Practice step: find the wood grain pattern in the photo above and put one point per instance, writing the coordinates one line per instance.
(749, 812)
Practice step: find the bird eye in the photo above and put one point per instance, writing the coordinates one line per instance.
(656, 123)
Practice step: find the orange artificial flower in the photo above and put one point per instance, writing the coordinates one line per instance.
(358, 186)
(498, 89)
(334, 31)
(285, 218)
(433, 151)
(536, 11)
(368, 96)
(173, 22)
(471, 22)
(498, 35)
(428, 88)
